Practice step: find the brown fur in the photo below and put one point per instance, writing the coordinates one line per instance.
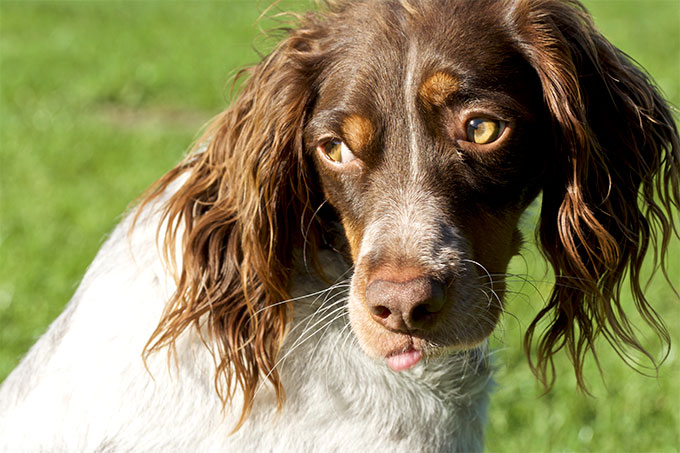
(240, 212)
(358, 131)
(437, 88)
(612, 189)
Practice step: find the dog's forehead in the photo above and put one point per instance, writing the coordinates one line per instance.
(381, 48)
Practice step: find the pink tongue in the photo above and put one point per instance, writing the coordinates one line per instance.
(405, 360)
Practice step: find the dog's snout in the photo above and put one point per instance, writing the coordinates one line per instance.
(405, 306)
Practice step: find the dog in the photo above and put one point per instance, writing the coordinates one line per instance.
(323, 270)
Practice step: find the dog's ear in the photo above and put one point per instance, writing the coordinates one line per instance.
(239, 215)
(612, 187)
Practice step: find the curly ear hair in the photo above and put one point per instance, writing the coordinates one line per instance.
(612, 189)
(238, 216)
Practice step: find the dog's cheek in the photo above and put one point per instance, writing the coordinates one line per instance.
(341, 194)
(494, 239)
(354, 234)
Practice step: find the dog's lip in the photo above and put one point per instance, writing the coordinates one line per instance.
(404, 360)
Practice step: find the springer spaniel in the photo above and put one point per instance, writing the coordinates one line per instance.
(323, 271)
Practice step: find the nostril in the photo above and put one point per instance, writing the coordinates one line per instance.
(420, 314)
(381, 312)
(426, 306)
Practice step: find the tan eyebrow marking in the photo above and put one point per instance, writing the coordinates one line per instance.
(357, 131)
(437, 88)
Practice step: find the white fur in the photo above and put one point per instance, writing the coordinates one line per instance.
(83, 387)
(410, 90)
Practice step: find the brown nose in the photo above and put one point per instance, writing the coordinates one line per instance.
(405, 306)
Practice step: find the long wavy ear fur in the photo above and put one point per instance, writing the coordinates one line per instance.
(238, 217)
(612, 192)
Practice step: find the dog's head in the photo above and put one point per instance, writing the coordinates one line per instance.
(429, 127)
(430, 136)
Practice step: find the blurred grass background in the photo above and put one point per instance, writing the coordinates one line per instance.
(98, 99)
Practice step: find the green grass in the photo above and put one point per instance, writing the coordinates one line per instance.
(98, 99)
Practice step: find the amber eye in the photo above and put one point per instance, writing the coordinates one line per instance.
(337, 151)
(484, 130)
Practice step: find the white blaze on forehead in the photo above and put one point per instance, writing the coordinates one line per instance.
(410, 93)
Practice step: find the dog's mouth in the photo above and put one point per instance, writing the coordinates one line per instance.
(404, 360)
(402, 351)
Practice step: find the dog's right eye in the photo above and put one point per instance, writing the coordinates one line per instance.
(337, 151)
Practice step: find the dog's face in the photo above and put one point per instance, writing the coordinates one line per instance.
(430, 140)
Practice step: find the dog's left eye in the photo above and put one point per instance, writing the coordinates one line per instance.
(484, 130)
(337, 151)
